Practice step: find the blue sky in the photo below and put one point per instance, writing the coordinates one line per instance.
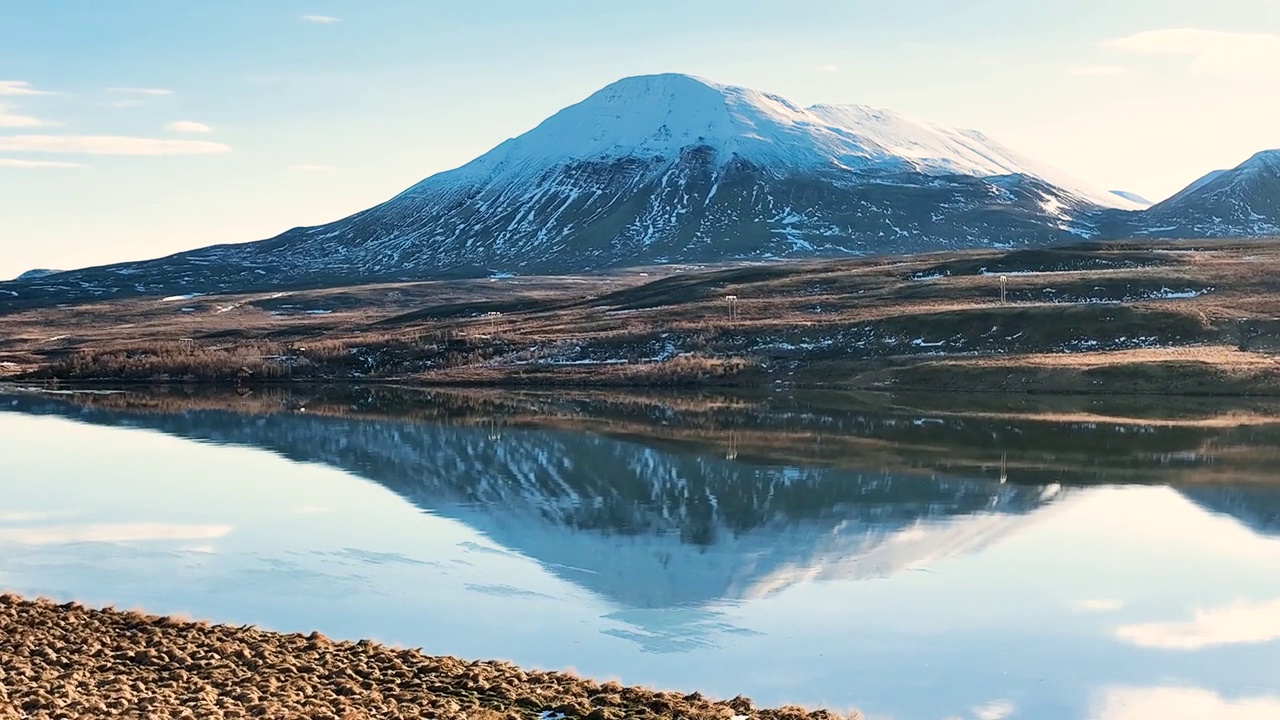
(137, 128)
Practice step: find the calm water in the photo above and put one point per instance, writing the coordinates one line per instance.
(906, 562)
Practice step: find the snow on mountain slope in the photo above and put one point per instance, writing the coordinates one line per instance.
(661, 115)
(1133, 197)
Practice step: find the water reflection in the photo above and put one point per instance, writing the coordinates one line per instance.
(1058, 561)
(645, 526)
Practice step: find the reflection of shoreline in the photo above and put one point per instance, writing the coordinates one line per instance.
(1066, 440)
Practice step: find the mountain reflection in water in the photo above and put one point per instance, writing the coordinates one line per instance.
(645, 526)
(689, 501)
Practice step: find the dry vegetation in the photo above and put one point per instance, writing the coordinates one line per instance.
(69, 661)
(1146, 318)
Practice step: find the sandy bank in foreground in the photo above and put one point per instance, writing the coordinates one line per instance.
(69, 661)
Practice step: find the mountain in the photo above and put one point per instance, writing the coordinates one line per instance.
(37, 273)
(1241, 202)
(657, 169)
(1132, 197)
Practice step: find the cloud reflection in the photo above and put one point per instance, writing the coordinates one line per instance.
(1237, 624)
(110, 533)
(994, 710)
(1181, 703)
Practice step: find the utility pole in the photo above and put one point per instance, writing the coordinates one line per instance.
(732, 300)
(1004, 285)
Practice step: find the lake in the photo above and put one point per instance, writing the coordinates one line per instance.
(977, 558)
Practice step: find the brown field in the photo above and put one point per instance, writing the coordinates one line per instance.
(1167, 318)
(69, 661)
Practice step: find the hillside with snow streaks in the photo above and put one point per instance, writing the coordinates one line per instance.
(662, 169)
(1241, 202)
(643, 527)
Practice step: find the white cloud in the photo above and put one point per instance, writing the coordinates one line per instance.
(310, 168)
(1179, 703)
(8, 120)
(1097, 605)
(321, 19)
(1210, 52)
(136, 532)
(187, 126)
(995, 710)
(1243, 623)
(15, 163)
(830, 68)
(1098, 70)
(108, 145)
(140, 91)
(18, 87)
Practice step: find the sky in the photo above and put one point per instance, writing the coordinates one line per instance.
(138, 128)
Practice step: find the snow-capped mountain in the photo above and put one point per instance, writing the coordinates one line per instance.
(1133, 197)
(667, 168)
(673, 168)
(1241, 202)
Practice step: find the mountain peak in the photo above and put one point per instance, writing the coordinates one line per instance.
(1268, 160)
(658, 117)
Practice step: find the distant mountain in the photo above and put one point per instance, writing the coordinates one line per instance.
(1133, 198)
(665, 168)
(1241, 202)
(37, 273)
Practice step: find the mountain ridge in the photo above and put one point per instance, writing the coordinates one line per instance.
(672, 168)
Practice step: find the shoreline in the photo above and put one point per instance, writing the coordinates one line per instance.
(68, 660)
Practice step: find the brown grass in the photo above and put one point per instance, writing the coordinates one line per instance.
(849, 323)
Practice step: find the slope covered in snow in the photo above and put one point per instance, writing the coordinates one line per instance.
(662, 115)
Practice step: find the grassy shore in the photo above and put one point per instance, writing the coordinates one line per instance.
(69, 661)
(1166, 318)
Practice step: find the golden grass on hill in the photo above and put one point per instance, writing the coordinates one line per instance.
(1079, 319)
